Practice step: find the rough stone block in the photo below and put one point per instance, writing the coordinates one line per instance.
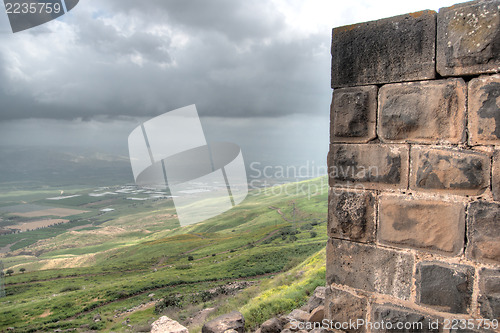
(368, 166)
(352, 215)
(354, 114)
(430, 225)
(484, 110)
(316, 299)
(369, 268)
(484, 231)
(423, 112)
(446, 288)
(230, 321)
(495, 176)
(393, 316)
(468, 38)
(489, 293)
(454, 171)
(343, 307)
(396, 49)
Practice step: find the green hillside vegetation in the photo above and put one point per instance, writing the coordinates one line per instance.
(106, 264)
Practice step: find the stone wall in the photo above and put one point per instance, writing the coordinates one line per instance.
(414, 162)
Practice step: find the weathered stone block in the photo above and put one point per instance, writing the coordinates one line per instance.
(369, 268)
(354, 114)
(484, 110)
(429, 225)
(352, 215)
(489, 293)
(343, 307)
(230, 321)
(484, 231)
(468, 38)
(446, 288)
(368, 166)
(495, 176)
(316, 299)
(392, 316)
(423, 112)
(454, 171)
(396, 49)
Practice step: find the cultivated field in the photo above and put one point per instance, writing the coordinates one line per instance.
(25, 226)
(61, 212)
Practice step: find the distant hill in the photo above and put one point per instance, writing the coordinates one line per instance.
(59, 167)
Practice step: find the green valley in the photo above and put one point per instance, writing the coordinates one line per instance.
(122, 260)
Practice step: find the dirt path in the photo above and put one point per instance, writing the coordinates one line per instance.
(281, 213)
(6, 248)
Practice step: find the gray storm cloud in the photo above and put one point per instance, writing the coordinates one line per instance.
(130, 58)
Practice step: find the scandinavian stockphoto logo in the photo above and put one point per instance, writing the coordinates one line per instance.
(26, 14)
(171, 152)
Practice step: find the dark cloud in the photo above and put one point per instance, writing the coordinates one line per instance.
(237, 20)
(230, 58)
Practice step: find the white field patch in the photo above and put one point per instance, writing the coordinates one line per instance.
(63, 197)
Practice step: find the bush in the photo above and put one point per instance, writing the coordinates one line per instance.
(170, 301)
(182, 267)
(314, 234)
(190, 258)
(70, 288)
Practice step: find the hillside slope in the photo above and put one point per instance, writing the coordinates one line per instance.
(117, 264)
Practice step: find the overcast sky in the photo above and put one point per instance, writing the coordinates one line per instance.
(258, 71)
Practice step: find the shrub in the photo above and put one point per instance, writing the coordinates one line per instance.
(182, 267)
(70, 288)
(190, 258)
(170, 301)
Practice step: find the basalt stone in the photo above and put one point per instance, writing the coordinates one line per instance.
(231, 321)
(392, 316)
(454, 171)
(368, 166)
(423, 224)
(317, 298)
(446, 288)
(489, 293)
(484, 231)
(423, 112)
(484, 110)
(468, 38)
(342, 307)
(353, 114)
(273, 325)
(369, 268)
(396, 49)
(352, 215)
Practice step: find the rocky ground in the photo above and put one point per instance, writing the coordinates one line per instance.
(307, 319)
